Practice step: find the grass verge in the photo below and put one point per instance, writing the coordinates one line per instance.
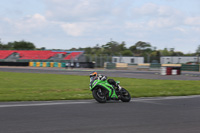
(39, 87)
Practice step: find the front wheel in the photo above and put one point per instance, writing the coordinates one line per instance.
(99, 95)
(125, 95)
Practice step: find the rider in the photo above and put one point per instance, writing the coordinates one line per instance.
(94, 75)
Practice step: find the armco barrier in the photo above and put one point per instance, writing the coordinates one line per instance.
(14, 63)
(144, 66)
(155, 65)
(190, 67)
(109, 65)
(171, 65)
(121, 65)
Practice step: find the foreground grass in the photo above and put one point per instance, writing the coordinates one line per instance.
(32, 87)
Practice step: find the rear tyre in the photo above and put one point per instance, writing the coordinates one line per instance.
(125, 95)
(99, 95)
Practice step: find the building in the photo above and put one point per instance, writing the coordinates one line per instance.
(39, 55)
(128, 59)
(178, 59)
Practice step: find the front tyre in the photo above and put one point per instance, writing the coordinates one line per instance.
(99, 95)
(125, 95)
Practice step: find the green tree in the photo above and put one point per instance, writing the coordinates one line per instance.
(165, 52)
(122, 46)
(142, 45)
(198, 50)
(111, 48)
(178, 53)
(127, 52)
(133, 49)
(21, 45)
(24, 45)
(141, 48)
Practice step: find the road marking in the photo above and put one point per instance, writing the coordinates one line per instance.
(42, 104)
(50, 103)
(164, 98)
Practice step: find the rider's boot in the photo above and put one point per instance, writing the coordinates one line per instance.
(118, 87)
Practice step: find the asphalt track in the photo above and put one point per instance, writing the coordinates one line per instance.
(109, 73)
(141, 115)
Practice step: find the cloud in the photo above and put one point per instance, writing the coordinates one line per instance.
(162, 23)
(99, 20)
(77, 10)
(146, 9)
(155, 18)
(154, 10)
(88, 28)
(75, 29)
(183, 30)
(195, 21)
(81, 17)
(26, 24)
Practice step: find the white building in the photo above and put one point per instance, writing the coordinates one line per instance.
(178, 59)
(128, 59)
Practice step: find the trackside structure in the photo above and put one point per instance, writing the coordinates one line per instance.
(43, 58)
(178, 59)
(128, 59)
(51, 58)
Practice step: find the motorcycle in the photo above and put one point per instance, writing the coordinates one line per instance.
(102, 91)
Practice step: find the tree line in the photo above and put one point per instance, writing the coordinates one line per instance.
(17, 45)
(111, 48)
(138, 49)
(141, 48)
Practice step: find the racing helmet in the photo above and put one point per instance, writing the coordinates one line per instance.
(93, 74)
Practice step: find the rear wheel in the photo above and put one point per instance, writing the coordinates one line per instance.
(125, 95)
(99, 95)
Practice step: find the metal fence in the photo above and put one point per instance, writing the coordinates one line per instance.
(190, 67)
(98, 60)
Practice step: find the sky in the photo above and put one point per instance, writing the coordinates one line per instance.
(64, 24)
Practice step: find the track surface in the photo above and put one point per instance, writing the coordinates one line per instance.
(109, 73)
(141, 115)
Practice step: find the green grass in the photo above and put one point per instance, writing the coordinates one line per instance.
(33, 87)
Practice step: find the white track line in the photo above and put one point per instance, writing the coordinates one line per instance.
(164, 98)
(41, 104)
(92, 101)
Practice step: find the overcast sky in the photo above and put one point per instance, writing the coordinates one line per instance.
(63, 24)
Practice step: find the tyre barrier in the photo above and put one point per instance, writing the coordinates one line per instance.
(62, 64)
(170, 70)
(46, 64)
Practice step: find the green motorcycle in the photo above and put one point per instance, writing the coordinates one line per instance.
(102, 91)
